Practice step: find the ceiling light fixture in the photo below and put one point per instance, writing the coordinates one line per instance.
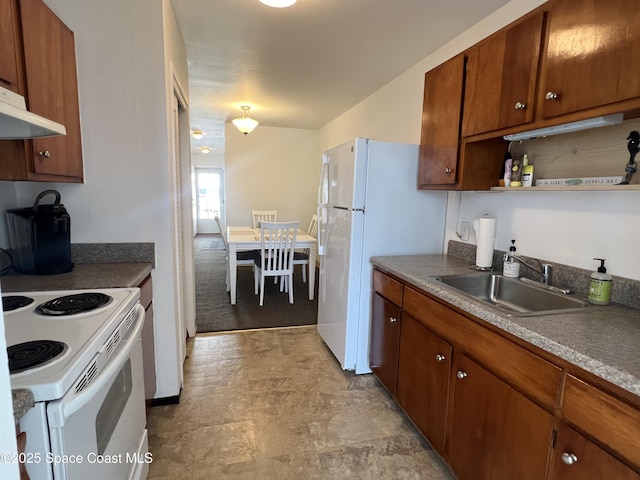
(197, 134)
(245, 123)
(278, 3)
(205, 149)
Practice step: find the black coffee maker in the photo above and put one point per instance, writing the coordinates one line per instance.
(40, 237)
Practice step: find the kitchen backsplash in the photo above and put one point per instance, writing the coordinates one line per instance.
(625, 291)
(113, 253)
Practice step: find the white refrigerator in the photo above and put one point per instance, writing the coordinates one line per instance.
(368, 205)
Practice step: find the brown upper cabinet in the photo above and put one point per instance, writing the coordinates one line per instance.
(51, 90)
(592, 57)
(567, 60)
(441, 111)
(10, 60)
(500, 85)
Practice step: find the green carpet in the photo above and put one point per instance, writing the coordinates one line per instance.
(214, 312)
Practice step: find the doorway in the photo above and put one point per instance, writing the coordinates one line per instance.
(209, 199)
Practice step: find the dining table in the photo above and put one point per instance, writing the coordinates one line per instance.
(241, 238)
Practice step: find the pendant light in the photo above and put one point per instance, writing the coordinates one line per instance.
(245, 123)
(278, 3)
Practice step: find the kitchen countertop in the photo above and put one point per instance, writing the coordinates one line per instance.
(83, 276)
(22, 402)
(602, 340)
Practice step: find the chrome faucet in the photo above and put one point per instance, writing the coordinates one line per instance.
(545, 271)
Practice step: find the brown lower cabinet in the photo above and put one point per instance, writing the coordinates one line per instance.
(492, 408)
(423, 379)
(577, 458)
(494, 431)
(148, 342)
(385, 337)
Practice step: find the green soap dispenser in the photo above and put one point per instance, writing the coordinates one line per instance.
(600, 285)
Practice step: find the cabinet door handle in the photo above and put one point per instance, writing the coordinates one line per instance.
(551, 96)
(447, 170)
(440, 358)
(461, 374)
(45, 154)
(569, 458)
(520, 106)
(392, 320)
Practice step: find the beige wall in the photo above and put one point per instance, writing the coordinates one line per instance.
(271, 169)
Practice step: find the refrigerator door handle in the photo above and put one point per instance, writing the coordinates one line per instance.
(349, 209)
(323, 189)
(322, 230)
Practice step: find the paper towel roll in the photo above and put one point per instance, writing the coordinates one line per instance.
(486, 238)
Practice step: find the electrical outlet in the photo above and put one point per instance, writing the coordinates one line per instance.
(464, 231)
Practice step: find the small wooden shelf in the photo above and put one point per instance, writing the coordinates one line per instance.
(575, 188)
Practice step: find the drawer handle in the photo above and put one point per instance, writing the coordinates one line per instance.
(440, 358)
(45, 154)
(392, 320)
(447, 170)
(551, 96)
(569, 458)
(520, 106)
(461, 375)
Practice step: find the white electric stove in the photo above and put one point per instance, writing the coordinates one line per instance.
(79, 352)
(81, 334)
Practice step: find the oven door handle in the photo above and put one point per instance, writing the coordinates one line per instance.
(68, 406)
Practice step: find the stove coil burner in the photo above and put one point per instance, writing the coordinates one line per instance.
(24, 356)
(73, 304)
(14, 302)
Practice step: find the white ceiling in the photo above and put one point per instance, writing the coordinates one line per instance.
(302, 66)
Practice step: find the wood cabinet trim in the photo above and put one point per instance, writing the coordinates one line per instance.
(534, 376)
(592, 461)
(146, 292)
(388, 287)
(603, 417)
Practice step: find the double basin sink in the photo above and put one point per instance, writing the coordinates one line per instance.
(512, 295)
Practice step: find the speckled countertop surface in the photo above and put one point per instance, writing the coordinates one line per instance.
(603, 340)
(83, 276)
(22, 402)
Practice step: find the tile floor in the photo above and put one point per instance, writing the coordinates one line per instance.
(274, 404)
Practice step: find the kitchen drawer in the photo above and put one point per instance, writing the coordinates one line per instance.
(146, 292)
(523, 370)
(388, 287)
(613, 422)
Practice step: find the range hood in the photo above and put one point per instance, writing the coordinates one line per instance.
(605, 121)
(17, 123)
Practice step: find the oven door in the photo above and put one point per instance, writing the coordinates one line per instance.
(100, 433)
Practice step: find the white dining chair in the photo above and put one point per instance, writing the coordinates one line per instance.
(277, 242)
(245, 258)
(258, 216)
(302, 257)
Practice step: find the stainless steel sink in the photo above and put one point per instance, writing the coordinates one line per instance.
(516, 297)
